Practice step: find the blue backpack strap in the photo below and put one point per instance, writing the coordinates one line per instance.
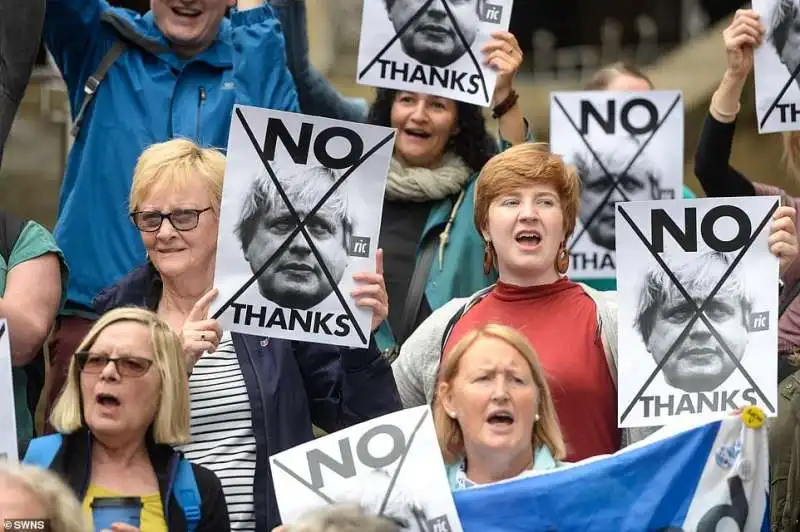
(187, 494)
(42, 451)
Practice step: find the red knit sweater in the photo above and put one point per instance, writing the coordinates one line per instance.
(560, 321)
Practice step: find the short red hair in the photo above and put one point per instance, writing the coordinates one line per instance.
(521, 166)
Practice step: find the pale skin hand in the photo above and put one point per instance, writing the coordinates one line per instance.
(744, 34)
(200, 334)
(783, 236)
(504, 55)
(372, 292)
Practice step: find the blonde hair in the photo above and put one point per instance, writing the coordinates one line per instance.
(790, 142)
(603, 77)
(176, 164)
(171, 423)
(546, 430)
(521, 166)
(341, 517)
(56, 498)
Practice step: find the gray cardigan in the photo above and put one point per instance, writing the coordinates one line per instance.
(417, 365)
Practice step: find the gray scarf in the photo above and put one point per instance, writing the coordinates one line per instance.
(424, 184)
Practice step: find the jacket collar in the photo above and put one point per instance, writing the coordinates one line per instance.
(143, 31)
(75, 459)
(141, 287)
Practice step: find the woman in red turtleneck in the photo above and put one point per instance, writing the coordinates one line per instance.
(526, 203)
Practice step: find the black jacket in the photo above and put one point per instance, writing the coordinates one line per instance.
(73, 460)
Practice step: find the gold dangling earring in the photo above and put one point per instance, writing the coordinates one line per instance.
(488, 257)
(562, 260)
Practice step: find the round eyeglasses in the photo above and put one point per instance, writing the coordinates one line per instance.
(181, 219)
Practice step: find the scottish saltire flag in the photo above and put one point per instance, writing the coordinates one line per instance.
(707, 478)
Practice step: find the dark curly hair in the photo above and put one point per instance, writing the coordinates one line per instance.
(472, 143)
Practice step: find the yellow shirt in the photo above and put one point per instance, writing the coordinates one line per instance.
(152, 510)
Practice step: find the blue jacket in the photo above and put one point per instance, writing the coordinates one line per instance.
(149, 95)
(290, 386)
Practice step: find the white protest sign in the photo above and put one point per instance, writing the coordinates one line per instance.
(301, 212)
(777, 64)
(698, 298)
(625, 146)
(8, 419)
(431, 46)
(390, 465)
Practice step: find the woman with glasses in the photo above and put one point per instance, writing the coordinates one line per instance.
(251, 397)
(125, 405)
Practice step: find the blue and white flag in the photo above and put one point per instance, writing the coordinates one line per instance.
(677, 480)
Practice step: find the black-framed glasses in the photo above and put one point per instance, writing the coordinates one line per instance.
(126, 366)
(181, 219)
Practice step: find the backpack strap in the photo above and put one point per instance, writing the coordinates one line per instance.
(42, 451)
(94, 81)
(187, 494)
(416, 289)
(10, 229)
(477, 298)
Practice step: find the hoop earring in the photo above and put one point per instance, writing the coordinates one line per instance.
(562, 260)
(488, 257)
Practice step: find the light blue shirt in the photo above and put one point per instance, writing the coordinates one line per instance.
(456, 477)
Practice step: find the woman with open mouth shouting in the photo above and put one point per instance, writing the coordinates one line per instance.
(124, 407)
(493, 411)
(433, 252)
(526, 207)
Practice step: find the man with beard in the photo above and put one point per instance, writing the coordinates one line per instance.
(432, 38)
(700, 363)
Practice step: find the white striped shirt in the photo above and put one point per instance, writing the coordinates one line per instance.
(222, 430)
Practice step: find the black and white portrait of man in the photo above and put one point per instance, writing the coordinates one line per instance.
(699, 363)
(296, 279)
(640, 181)
(784, 33)
(777, 94)
(433, 37)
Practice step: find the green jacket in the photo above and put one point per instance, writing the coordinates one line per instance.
(784, 457)
(460, 272)
(610, 283)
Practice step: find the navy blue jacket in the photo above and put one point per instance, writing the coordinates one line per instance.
(290, 385)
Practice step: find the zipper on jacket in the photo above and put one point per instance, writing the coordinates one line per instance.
(201, 98)
(266, 435)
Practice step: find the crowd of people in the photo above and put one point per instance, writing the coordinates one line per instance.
(472, 310)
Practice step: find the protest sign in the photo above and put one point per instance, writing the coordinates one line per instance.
(777, 65)
(301, 211)
(377, 464)
(8, 420)
(679, 479)
(431, 46)
(625, 146)
(698, 297)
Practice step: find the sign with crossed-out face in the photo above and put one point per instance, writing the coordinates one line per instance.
(392, 466)
(625, 146)
(8, 420)
(777, 66)
(698, 296)
(431, 46)
(301, 211)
